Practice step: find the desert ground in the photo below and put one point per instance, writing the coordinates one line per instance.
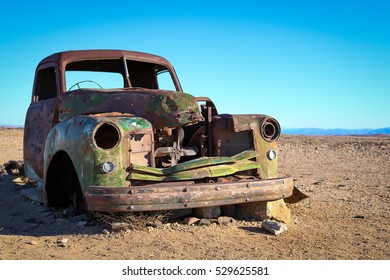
(347, 214)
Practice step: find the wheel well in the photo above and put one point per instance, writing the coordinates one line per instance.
(62, 182)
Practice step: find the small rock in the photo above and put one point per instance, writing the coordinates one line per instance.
(158, 224)
(274, 227)
(276, 210)
(14, 164)
(119, 226)
(63, 242)
(66, 212)
(19, 181)
(32, 242)
(149, 229)
(50, 216)
(204, 222)
(359, 217)
(59, 221)
(224, 221)
(190, 220)
(155, 224)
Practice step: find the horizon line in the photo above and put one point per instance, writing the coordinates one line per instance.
(287, 128)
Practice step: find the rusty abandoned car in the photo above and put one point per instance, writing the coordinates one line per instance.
(113, 130)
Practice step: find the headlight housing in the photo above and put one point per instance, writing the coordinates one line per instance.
(270, 129)
(107, 136)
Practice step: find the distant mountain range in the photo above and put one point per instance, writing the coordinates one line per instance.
(335, 131)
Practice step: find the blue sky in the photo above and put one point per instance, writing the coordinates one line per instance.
(309, 64)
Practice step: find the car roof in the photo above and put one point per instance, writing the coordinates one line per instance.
(63, 58)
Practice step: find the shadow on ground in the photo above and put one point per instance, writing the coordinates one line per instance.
(22, 216)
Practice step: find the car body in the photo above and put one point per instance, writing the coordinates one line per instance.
(134, 141)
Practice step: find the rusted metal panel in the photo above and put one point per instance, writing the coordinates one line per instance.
(161, 108)
(155, 197)
(234, 133)
(40, 119)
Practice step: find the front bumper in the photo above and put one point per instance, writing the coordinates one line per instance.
(182, 195)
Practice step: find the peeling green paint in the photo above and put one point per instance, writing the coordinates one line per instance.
(128, 124)
(192, 164)
(199, 173)
(161, 108)
(197, 169)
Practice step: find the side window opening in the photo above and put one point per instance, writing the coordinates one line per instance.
(46, 86)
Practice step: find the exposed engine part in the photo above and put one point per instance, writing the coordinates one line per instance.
(176, 151)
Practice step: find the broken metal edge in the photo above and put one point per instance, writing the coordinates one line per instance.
(157, 197)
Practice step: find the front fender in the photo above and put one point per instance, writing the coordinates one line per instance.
(76, 137)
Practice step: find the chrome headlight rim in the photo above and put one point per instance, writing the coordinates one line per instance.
(107, 167)
(271, 154)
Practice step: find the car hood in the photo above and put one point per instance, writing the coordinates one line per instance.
(162, 108)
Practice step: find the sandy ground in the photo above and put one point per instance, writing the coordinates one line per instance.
(346, 217)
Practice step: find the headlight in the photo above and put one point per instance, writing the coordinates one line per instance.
(106, 136)
(271, 154)
(107, 167)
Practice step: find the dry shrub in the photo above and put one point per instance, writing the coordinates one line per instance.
(132, 220)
